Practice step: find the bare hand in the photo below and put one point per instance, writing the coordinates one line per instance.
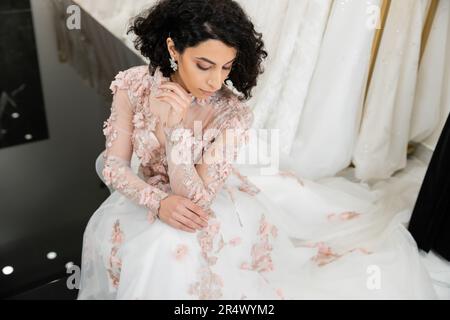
(181, 213)
(175, 95)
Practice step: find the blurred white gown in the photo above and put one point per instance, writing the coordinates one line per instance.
(351, 240)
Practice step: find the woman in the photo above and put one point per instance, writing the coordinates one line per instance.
(189, 225)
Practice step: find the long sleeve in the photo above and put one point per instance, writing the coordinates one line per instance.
(117, 172)
(199, 177)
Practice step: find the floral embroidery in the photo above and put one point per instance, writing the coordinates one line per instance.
(235, 241)
(180, 252)
(150, 199)
(138, 120)
(261, 251)
(349, 215)
(246, 185)
(144, 142)
(118, 174)
(220, 171)
(108, 128)
(115, 263)
(180, 145)
(210, 284)
(183, 150)
(326, 255)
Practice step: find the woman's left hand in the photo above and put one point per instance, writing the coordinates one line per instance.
(175, 95)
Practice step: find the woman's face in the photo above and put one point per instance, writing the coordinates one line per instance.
(204, 67)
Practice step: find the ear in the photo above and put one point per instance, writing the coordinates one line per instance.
(171, 48)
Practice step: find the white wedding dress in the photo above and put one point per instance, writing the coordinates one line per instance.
(350, 240)
(385, 130)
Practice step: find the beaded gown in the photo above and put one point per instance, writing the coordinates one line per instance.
(346, 246)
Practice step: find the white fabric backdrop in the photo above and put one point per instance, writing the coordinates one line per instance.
(316, 75)
(383, 140)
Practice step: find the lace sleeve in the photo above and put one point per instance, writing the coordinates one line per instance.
(200, 180)
(117, 172)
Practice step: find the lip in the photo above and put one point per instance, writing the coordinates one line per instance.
(208, 93)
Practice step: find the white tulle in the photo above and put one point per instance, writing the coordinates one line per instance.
(327, 239)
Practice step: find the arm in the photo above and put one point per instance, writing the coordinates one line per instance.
(200, 182)
(117, 171)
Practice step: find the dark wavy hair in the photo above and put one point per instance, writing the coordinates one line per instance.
(190, 22)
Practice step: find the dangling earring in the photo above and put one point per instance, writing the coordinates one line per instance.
(173, 64)
(229, 84)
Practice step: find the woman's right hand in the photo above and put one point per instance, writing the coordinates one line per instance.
(179, 100)
(181, 213)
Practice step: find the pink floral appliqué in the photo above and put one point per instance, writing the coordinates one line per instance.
(210, 284)
(115, 263)
(181, 251)
(261, 251)
(344, 216)
(246, 186)
(325, 254)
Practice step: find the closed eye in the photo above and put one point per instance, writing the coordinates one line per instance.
(205, 69)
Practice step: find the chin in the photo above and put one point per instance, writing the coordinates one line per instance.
(206, 95)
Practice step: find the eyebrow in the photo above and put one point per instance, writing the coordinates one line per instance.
(209, 61)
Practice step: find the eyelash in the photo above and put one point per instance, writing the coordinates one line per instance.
(209, 68)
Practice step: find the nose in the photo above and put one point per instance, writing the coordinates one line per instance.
(215, 83)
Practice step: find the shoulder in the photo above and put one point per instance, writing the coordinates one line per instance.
(134, 79)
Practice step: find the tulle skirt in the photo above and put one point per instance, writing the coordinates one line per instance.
(272, 237)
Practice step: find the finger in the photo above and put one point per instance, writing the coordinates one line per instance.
(183, 104)
(179, 90)
(172, 103)
(180, 226)
(195, 208)
(193, 217)
(180, 217)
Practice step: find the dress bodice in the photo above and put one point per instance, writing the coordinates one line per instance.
(134, 127)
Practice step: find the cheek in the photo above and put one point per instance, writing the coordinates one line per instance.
(191, 76)
(197, 79)
(194, 82)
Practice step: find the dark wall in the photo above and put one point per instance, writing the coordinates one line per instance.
(48, 184)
